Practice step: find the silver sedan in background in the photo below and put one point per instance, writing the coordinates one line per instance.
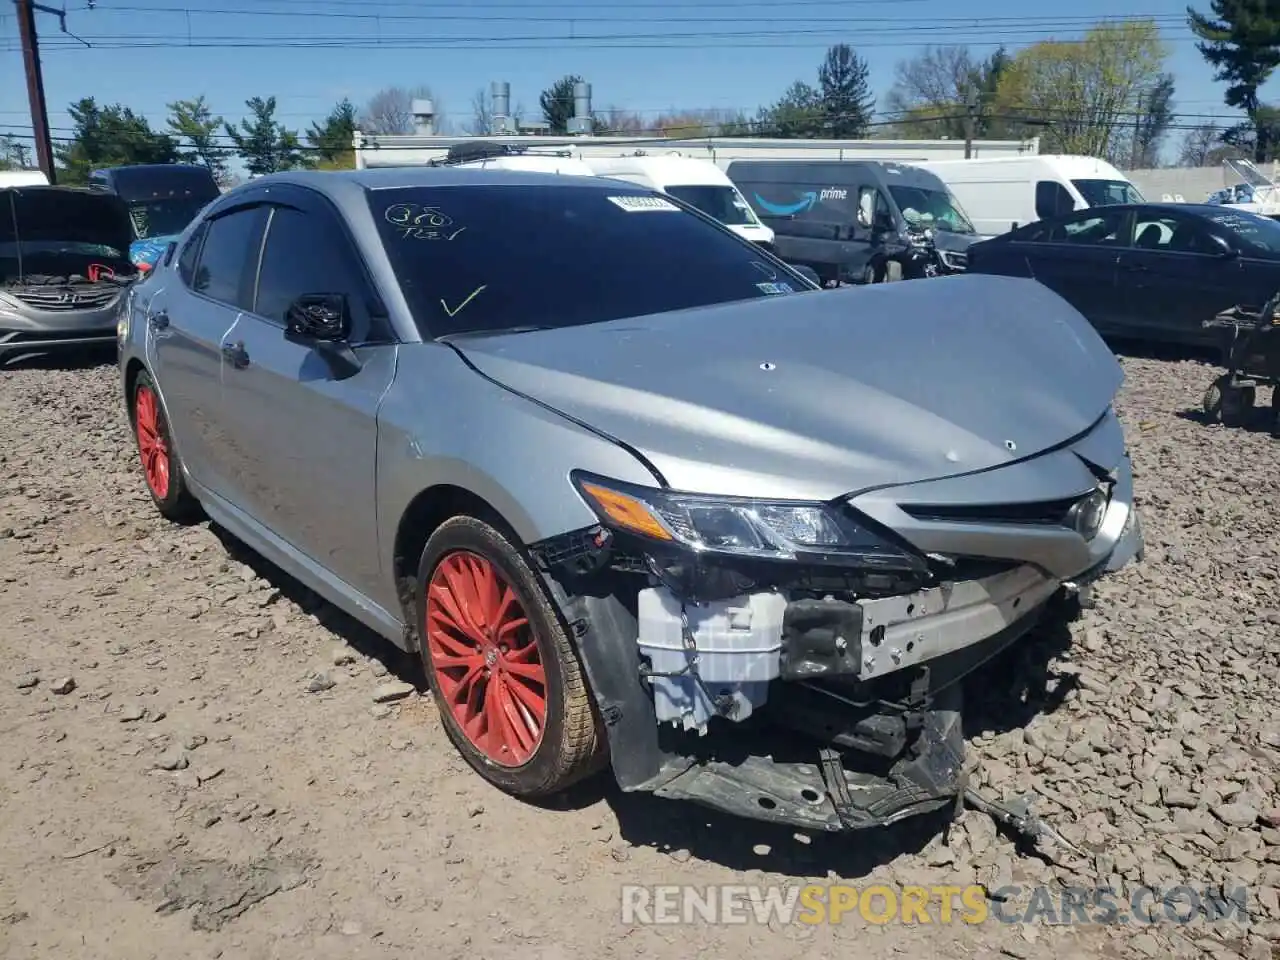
(636, 492)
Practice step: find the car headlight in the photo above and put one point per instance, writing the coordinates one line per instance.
(124, 309)
(763, 529)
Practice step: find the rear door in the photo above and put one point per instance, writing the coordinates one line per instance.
(306, 430)
(187, 322)
(1076, 257)
(1175, 276)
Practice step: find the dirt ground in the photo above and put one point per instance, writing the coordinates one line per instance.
(193, 764)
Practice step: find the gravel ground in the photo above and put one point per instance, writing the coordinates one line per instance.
(194, 760)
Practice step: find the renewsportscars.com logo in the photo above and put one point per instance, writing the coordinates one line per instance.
(880, 904)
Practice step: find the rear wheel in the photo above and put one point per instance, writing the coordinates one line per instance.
(161, 466)
(509, 686)
(1226, 403)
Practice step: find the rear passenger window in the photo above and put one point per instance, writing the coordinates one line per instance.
(1092, 229)
(224, 255)
(305, 253)
(191, 250)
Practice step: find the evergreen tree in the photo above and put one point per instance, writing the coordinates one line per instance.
(848, 104)
(1241, 41)
(262, 142)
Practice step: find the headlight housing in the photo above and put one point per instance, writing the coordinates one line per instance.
(748, 528)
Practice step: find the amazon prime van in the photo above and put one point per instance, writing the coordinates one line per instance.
(857, 221)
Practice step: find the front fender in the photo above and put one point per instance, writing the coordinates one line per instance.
(442, 423)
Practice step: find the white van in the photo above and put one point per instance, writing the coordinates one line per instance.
(23, 178)
(699, 183)
(532, 163)
(1005, 192)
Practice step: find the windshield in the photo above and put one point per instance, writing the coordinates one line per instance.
(164, 217)
(494, 258)
(723, 203)
(1102, 193)
(923, 208)
(1253, 230)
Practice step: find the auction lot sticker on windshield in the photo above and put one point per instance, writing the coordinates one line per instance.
(643, 204)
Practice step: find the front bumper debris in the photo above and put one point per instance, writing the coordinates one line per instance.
(835, 715)
(823, 794)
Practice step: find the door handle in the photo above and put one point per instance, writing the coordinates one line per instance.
(158, 320)
(236, 354)
(1138, 268)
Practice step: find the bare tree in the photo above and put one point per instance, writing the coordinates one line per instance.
(931, 92)
(619, 121)
(390, 110)
(937, 77)
(1203, 146)
(481, 113)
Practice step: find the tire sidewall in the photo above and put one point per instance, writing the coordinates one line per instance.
(476, 536)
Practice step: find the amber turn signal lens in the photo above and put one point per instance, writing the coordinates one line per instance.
(627, 513)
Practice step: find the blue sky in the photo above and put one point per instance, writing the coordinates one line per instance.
(140, 54)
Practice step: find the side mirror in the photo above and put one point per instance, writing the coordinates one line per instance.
(320, 317)
(808, 273)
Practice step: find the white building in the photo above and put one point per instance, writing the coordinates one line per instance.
(421, 147)
(403, 150)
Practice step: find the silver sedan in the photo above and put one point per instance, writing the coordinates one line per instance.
(638, 493)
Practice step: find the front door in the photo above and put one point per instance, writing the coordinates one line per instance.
(187, 322)
(1175, 277)
(307, 428)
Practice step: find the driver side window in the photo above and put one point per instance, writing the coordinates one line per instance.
(305, 255)
(1173, 234)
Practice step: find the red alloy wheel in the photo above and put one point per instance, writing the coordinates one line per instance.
(486, 658)
(151, 442)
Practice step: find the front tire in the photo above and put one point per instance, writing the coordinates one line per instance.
(161, 465)
(511, 691)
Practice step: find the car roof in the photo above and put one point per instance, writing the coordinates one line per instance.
(1202, 209)
(334, 182)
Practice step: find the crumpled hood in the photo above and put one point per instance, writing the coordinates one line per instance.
(40, 214)
(815, 395)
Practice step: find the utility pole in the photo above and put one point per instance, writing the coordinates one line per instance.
(35, 86)
(1137, 133)
(970, 122)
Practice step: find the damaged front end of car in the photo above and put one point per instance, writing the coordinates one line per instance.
(800, 662)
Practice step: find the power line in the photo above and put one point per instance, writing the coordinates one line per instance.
(988, 30)
(975, 38)
(365, 14)
(785, 5)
